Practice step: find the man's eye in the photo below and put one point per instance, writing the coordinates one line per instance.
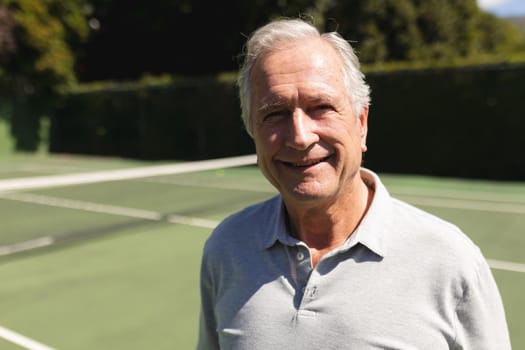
(323, 107)
(275, 115)
(320, 109)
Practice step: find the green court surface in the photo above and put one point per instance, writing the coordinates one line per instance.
(120, 266)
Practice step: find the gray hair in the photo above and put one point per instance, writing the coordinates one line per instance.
(281, 32)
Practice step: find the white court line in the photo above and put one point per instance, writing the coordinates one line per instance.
(107, 209)
(21, 340)
(506, 265)
(475, 195)
(82, 205)
(466, 204)
(29, 183)
(27, 245)
(191, 221)
(92, 207)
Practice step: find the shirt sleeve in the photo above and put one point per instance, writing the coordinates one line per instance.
(208, 339)
(480, 313)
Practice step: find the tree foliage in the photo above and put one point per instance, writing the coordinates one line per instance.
(196, 37)
(48, 44)
(41, 40)
(39, 52)
(187, 37)
(37, 55)
(407, 30)
(499, 37)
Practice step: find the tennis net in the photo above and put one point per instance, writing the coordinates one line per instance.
(44, 210)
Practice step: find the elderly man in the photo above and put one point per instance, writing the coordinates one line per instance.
(333, 262)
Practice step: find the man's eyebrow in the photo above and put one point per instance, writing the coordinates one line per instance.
(320, 99)
(269, 104)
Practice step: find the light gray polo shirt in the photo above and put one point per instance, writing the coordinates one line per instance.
(403, 280)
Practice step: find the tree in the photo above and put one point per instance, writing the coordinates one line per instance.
(424, 30)
(179, 37)
(37, 58)
(46, 45)
(499, 37)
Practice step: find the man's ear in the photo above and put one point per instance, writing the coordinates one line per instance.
(363, 121)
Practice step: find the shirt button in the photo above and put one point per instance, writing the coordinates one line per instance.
(300, 256)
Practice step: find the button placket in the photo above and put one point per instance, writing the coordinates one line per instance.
(303, 268)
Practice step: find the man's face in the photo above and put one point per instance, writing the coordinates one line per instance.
(309, 142)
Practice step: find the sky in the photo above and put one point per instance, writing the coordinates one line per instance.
(503, 8)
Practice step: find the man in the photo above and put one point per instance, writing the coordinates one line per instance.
(333, 262)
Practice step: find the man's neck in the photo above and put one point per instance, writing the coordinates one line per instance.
(328, 225)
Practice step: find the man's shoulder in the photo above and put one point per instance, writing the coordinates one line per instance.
(433, 234)
(250, 215)
(246, 223)
(413, 216)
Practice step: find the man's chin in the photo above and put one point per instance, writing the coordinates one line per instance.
(305, 195)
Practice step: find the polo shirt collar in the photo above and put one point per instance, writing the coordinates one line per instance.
(371, 232)
(278, 230)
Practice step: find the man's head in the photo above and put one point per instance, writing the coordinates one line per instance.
(274, 35)
(298, 90)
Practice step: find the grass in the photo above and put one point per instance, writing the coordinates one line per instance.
(511, 286)
(133, 290)
(125, 283)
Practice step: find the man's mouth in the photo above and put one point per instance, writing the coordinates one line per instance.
(306, 163)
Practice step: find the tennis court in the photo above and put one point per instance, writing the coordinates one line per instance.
(102, 253)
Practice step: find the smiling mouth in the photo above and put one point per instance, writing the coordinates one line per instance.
(307, 163)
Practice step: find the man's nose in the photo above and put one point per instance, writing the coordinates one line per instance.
(302, 131)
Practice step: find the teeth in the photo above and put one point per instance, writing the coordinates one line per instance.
(312, 162)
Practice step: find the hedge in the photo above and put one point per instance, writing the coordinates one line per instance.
(462, 122)
(194, 119)
(452, 122)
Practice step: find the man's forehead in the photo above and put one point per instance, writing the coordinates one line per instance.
(269, 102)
